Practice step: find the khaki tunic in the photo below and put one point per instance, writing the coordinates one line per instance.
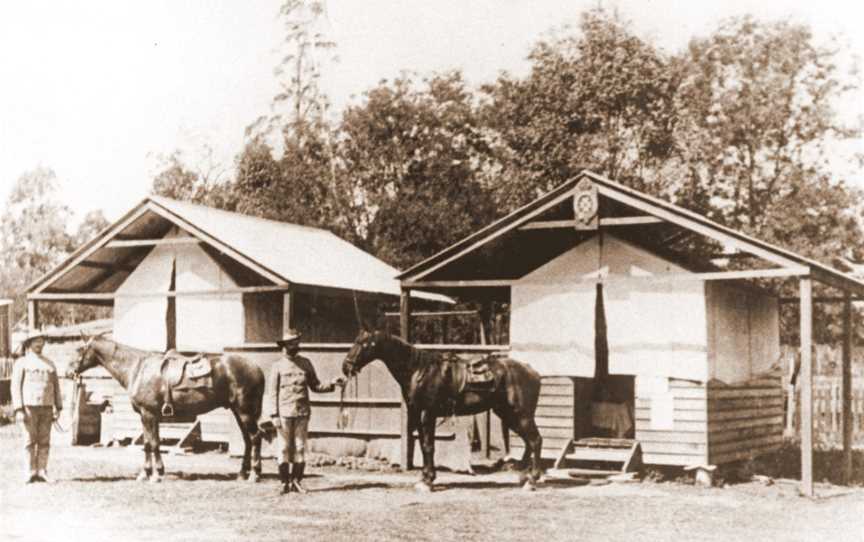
(291, 378)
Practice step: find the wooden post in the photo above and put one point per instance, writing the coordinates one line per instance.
(32, 315)
(806, 380)
(847, 389)
(407, 437)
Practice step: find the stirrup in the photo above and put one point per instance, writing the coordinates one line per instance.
(167, 410)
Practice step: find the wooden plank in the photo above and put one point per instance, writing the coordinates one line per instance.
(745, 414)
(609, 221)
(685, 448)
(653, 436)
(742, 404)
(644, 414)
(135, 295)
(726, 425)
(553, 400)
(806, 383)
(125, 243)
(738, 455)
(680, 425)
(722, 394)
(744, 435)
(752, 443)
(682, 403)
(557, 422)
(555, 411)
(490, 283)
(675, 460)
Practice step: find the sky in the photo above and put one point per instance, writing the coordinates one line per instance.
(101, 91)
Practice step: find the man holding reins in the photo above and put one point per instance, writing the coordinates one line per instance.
(37, 404)
(291, 378)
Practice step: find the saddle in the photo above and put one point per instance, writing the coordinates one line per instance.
(183, 372)
(475, 374)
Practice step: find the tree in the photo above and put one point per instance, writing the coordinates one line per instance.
(34, 237)
(300, 103)
(94, 222)
(756, 110)
(601, 98)
(417, 159)
(202, 184)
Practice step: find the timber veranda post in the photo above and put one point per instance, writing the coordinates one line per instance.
(407, 437)
(806, 377)
(32, 315)
(848, 333)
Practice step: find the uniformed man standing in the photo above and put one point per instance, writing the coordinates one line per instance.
(291, 378)
(37, 404)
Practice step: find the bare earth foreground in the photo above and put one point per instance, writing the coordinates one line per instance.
(97, 498)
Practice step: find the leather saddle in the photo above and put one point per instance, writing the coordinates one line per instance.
(183, 372)
(475, 374)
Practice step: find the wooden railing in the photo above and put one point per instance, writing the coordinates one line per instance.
(827, 395)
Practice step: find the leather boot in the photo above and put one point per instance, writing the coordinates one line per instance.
(298, 477)
(285, 477)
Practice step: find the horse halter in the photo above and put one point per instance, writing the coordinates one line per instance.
(87, 349)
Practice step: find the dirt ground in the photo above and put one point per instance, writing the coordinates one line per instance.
(97, 498)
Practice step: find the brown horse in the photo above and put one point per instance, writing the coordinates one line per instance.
(434, 385)
(237, 384)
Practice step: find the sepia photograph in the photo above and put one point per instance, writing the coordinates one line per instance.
(390, 270)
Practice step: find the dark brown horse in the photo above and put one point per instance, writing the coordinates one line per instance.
(237, 384)
(434, 385)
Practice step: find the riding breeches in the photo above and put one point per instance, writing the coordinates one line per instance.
(37, 427)
(294, 433)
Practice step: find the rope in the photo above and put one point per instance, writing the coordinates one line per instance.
(74, 406)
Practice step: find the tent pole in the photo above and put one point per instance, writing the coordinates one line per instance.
(806, 380)
(847, 389)
(407, 437)
(32, 315)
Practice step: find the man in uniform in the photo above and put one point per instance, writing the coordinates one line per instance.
(291, 378)
(37, 404)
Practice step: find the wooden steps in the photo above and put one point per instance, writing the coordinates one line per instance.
(626, 452)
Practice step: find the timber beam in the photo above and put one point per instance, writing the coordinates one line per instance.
(795, 271)
(126, 243)
(108, 266)
(609, 221)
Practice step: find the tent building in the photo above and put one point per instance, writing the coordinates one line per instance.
(196, 279)
(640, 336)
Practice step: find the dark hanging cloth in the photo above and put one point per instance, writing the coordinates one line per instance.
(601, 345)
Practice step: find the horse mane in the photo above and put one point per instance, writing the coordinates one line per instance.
(125, 351)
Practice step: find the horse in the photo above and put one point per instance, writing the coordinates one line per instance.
(237, 384)
(433, 386)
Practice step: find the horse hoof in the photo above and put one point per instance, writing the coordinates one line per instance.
(529, 486)
(142, 477)
(156, 479)
(254, 478)
(423, 487)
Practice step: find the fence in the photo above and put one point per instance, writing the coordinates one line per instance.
(827, 395)
(5, 380)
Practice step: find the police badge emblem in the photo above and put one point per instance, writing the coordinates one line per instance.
(585, 205)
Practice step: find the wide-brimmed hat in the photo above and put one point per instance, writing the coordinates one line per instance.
(290, 336)
(33, 335)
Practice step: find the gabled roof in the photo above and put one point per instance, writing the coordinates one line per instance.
(275, 252)
(624, 200)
